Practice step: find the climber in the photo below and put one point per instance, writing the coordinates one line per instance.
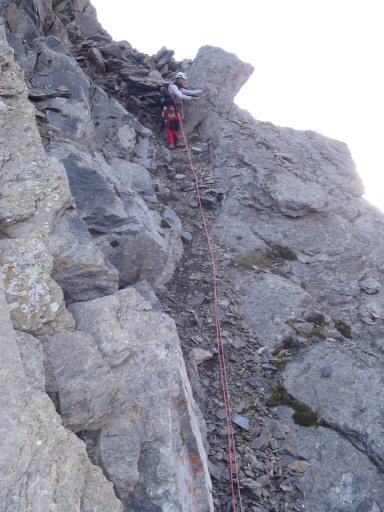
(174, 111)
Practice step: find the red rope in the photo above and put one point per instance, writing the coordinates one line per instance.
(217, 321)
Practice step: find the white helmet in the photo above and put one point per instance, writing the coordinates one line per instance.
(181, 75)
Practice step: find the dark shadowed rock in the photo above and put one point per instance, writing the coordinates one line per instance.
(79, 266)
(95, 197)
(20, 22)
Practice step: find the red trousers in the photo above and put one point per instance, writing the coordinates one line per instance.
(173, 136)
(173, 132)
(173, 125)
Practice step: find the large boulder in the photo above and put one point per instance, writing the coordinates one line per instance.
(86, 388)
(150, 444)
(43, 465)
(95, 196)
(130, 235)
(79, 266)
(221, 75)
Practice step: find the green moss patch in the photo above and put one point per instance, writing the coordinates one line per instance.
(343, 328)
(317, 319)
(250, 259)
(277, 255)
(303, 415)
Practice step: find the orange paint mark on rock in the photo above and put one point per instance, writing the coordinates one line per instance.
(197, 466)
(194, 458)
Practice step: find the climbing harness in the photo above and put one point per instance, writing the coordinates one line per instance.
(233, 467)
(177, 102)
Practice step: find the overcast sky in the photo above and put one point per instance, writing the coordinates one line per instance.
(318, 63)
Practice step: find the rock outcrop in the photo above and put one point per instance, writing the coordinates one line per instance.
(79, 219)
(307, 264)
(43, 465)
(97, 412)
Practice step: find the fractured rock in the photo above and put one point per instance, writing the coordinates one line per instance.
(135, 177)
(85, 383)
(353, 379)
(150, 445)
(336, 476)
(79, 265)
(34, 298)
(43, 465)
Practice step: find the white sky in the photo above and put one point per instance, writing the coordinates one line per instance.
(318, 63)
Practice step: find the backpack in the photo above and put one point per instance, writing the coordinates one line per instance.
(165, 98)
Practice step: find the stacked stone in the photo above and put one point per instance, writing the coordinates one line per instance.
(132, 77)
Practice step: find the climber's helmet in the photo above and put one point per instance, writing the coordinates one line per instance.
(181, 75)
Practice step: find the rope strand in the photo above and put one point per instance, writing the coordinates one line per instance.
(223, 374)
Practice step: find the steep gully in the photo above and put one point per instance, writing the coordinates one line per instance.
(265, 482)
(267, 479)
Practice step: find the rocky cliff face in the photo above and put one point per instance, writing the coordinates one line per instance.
(307, 256)
(95, 217)
(79, 220)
